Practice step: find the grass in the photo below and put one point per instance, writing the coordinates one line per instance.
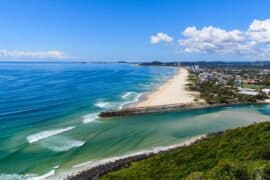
(242, 153)
(255, 87)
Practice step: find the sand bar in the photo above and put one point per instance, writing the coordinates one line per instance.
(172, 91)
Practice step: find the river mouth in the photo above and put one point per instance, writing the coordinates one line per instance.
(145, 133)
(78, 147)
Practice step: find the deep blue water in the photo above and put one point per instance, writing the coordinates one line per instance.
(33, 93)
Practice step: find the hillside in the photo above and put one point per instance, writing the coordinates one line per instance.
(242, 153)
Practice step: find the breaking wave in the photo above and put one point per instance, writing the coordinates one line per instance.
(128, 95)
(16, 176)
(45, 134)
(60, 144)
(28, 176)
(127, 98)
(89, 118)
(103, 105)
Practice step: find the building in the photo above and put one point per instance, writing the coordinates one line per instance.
(266, 91)
(248, 91)
(238, 81)
(205, 77)
(197, 67)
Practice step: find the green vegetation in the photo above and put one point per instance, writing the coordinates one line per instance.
(214, 92)
(256, 87)
(242, 153)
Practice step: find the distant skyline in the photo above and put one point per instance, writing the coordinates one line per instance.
(130, 30)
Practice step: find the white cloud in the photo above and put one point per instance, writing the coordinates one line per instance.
(52, 54)
(210, 39)
(259, 31)
(161, 37)
(254, 42)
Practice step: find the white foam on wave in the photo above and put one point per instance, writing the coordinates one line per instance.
(28, 176)
(94, 163)
(45, 134)
(61, 144)
(44, 176)
(16, 176)
(90, 117)
(128, 95)
(132, 96)
(127, 98)
(103, 105)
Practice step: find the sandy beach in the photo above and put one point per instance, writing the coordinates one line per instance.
(171, 92)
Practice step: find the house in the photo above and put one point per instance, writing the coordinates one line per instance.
(238, 81)
(266, 91)
(204, 77)
(221, 80)
(248, 91)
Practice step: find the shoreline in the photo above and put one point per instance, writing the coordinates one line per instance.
(172, 91)
(97, 168)
(144, 95)
(180, 99)
(102, 167)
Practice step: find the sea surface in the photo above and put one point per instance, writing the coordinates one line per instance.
(49, 124)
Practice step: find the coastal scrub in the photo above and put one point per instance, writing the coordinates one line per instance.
(242, 153)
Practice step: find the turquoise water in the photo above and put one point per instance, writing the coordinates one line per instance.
(48, 120)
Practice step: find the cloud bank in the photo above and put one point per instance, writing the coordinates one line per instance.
(253, 42)
(160, 37)
(52, 54)
(259, 31)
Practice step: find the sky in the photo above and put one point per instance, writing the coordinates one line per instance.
(134, 30)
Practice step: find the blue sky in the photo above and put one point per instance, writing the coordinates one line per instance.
(141, 30)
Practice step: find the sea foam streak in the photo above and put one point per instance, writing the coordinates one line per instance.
(28, 176)
(103, 105)
(44, 176)
(45, 134)
(60, 144)
(90, 117)
(128, 95)
(16, 177)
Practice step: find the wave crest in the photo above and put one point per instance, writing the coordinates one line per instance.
(16, 176)
(90, 117)
(45, 134)
(103, 105)
(128, 95)
(28, 176)
(61, 144)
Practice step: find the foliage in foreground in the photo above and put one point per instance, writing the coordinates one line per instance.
(242, 153)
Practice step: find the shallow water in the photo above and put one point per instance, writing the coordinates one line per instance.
(48, 116)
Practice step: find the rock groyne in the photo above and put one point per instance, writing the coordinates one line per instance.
(168, 108)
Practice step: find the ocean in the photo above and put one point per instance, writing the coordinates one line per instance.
(49, 124)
